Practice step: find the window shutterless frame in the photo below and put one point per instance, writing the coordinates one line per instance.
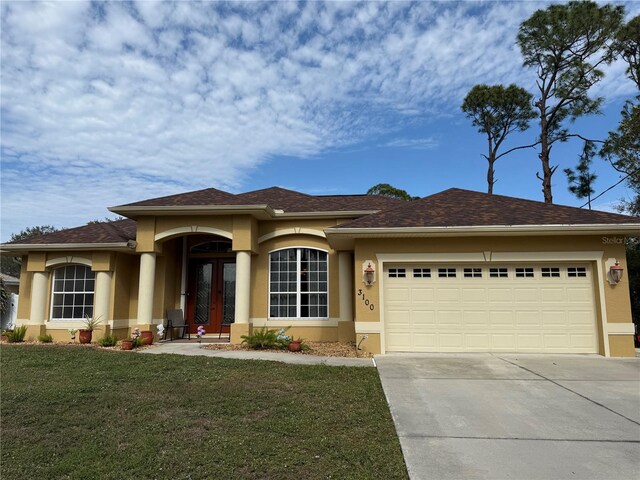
(298, 293)
(72, 292)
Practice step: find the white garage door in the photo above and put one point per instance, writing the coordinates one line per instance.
(476, 308)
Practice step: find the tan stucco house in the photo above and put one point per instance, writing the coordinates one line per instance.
(458, 271)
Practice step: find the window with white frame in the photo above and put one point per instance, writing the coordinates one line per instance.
(550, 272)
(499, 272)
(446, 272)
(397, 273)
(72, 292)
(576, 272)
(524, 272)
(298, 283)
(421, 273)
(473, 272)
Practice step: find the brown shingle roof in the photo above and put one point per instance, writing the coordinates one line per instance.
(208, 196)
(276, 197)
(458, 208)
(119, 231)
(292, 201)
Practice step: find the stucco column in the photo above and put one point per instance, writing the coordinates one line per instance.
(146, 286)
(39, 286)
(243, 286)
(102, 298)
(345, 279)
(346, 326)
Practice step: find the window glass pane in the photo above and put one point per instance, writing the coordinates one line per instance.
(303, 279)
(72, 297)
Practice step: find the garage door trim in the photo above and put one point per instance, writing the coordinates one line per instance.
(495, 257)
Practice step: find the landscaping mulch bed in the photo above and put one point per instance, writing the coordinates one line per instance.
(323, 349)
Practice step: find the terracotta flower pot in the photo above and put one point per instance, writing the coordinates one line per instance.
(147, 337)
(3, 338)
(85, 336)
(127, 345)
(295, 346)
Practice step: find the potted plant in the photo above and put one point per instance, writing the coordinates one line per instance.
(146, 337)
(72, 333)
(90, 324)
(127, 344)
(295, 345)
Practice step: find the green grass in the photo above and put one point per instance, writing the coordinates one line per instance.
(87, 413)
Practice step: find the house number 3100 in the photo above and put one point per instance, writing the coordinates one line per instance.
(365, 300)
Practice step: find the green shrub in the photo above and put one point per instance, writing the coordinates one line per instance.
(17, 334)
(45, 338)
(108, 341)
(267, 338)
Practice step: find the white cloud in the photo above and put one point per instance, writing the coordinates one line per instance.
(108, 103)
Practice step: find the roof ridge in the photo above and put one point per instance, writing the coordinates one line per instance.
(275, 187)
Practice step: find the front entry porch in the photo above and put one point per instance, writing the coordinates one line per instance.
(211, 295)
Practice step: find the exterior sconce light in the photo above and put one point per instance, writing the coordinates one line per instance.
(615, 272)
(368, 273)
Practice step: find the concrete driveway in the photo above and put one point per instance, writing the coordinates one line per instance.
(483, 416)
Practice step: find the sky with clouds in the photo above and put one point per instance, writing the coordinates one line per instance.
(108, 103)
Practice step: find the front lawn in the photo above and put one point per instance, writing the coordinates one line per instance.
(70, 412)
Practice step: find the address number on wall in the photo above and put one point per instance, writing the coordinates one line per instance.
(365, 300)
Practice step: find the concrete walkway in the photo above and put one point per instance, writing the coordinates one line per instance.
(195, 349)
(483, 416)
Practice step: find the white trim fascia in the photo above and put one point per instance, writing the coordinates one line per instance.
(626, 328)
(69, 259)
(294, 322)
(590, 256)
(327, 214)
(194, 209)
(430, 257)
(291, 231)
(472, 230)
(603, 307)
(368, 327)
(121, 246)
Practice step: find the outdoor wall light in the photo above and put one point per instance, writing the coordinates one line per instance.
(368, 273)
(616, 272)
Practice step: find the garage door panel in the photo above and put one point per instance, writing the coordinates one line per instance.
(420, 295)
(525, 295)
(451, 340)
(554, 318)
(471, 295)
(528, 318)
(425, 342)
(503, 342)
(582, 341)
(553, 295)
(500, 295)
(423, 318)
(581, 295)
(397, 295)
(448, 295)
(475, 317)
(577, 318)
(448, 318)
(477, 341)
(529, 341)
(503, 312)
(502, 318)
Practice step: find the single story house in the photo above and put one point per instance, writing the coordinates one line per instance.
(457, 271)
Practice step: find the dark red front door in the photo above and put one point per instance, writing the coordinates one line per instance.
(212, 293)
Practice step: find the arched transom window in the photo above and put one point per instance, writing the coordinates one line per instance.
(298, 285)
(72, 292)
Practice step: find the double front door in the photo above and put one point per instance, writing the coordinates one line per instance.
(211, 296)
